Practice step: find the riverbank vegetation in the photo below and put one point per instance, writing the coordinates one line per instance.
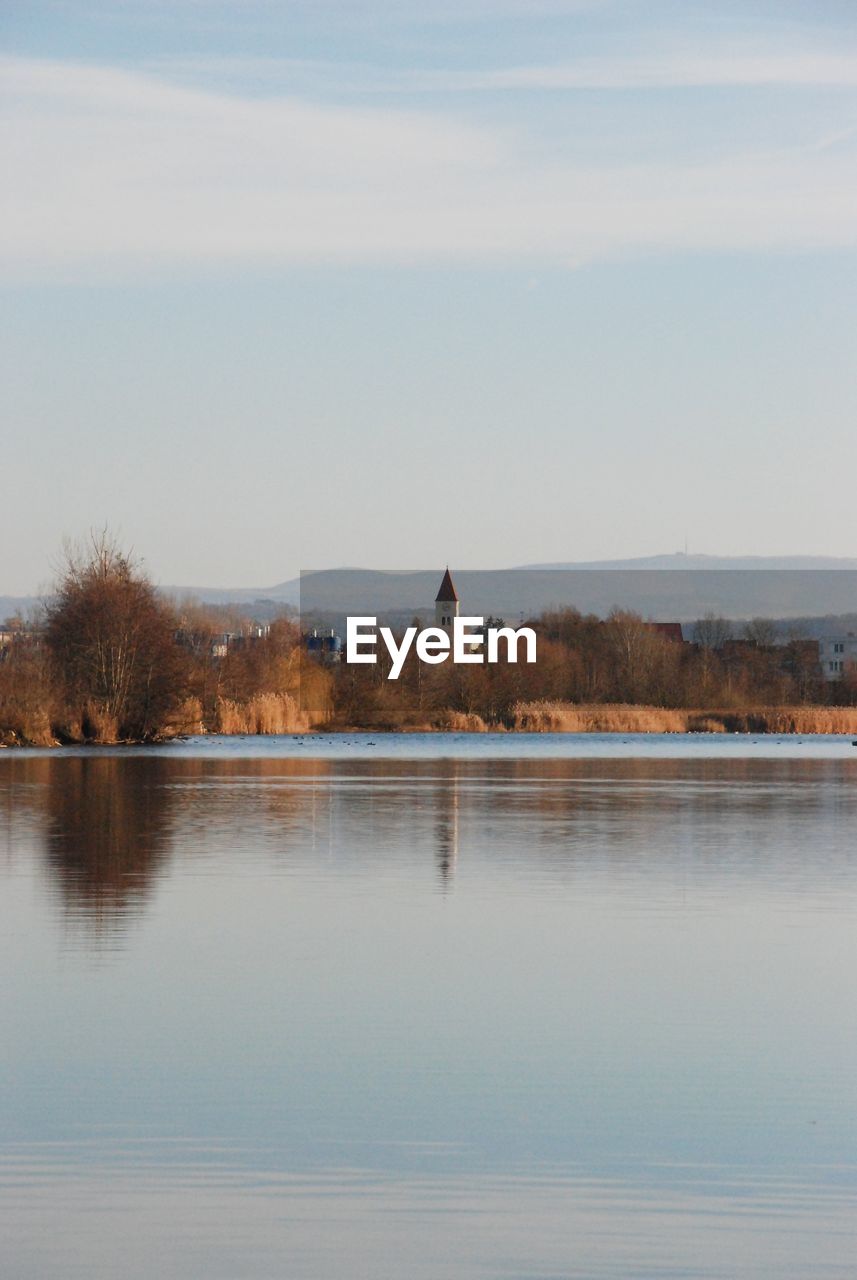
(112, 660)
(619, 675)
(566, 717)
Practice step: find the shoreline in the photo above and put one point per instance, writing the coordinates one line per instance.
(756, 724)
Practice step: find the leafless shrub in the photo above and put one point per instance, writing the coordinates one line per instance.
(27, 702)
(112, 641)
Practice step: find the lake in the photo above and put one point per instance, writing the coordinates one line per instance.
(429, 1006)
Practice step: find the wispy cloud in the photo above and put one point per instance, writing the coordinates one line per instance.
(112, 171)
(680, 69)
(729, 67)
(207, 12)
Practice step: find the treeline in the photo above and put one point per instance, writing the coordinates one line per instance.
(110, 661)
(113, 661)
(587, 665)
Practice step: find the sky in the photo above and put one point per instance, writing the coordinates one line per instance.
(489, 282)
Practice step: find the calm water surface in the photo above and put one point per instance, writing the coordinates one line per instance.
(429, 1007)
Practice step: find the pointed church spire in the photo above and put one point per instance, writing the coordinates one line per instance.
(447, 590)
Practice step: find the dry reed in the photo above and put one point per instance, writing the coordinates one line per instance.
(28, 728)
(799, 720)
(704, 724)
(100, 725)
(266, 713)
(186, 720)
(462, 722)
(568, 717)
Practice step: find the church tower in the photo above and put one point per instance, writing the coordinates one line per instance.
(446, 603)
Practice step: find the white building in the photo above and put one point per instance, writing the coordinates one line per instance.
(446, 603)
(836, 654)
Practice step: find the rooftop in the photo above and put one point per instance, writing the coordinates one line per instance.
(447, 590)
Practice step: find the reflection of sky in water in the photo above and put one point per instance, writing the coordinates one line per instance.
(210, 1219)
(520, 1017)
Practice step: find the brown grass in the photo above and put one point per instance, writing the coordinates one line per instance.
(569, 717)
(266, 713)
(791, 720)
(27, 728)
(100, 725)
(230, 717)
(461, 722)
(704, 724)
(186, 720)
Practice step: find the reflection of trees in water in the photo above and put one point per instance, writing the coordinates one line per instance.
(111, 820)
(612, 817)
(257, 804)
(107, 834)
(652, 816)
(108, 821)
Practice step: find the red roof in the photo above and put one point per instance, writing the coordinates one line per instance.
(447, 590)
(669, 630)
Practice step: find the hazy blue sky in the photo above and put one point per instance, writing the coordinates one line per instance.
(390, 283)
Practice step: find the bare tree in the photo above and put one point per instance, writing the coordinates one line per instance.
(112, 642)
(645, 665)
(712, 632)
(761, 632)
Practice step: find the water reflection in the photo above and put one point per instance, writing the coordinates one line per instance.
(108, 834)
(215, 1219)
(446, 802)
(567, 1016)
(110, 824)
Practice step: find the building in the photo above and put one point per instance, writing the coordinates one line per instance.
(218, 644)
(836, 654)
(446, 603)
(669, 630)
(325, 648)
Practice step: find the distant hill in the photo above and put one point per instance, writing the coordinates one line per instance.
(692, 562)
(282, 593)
(680, 593)
(288, 592)
(669, 587)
